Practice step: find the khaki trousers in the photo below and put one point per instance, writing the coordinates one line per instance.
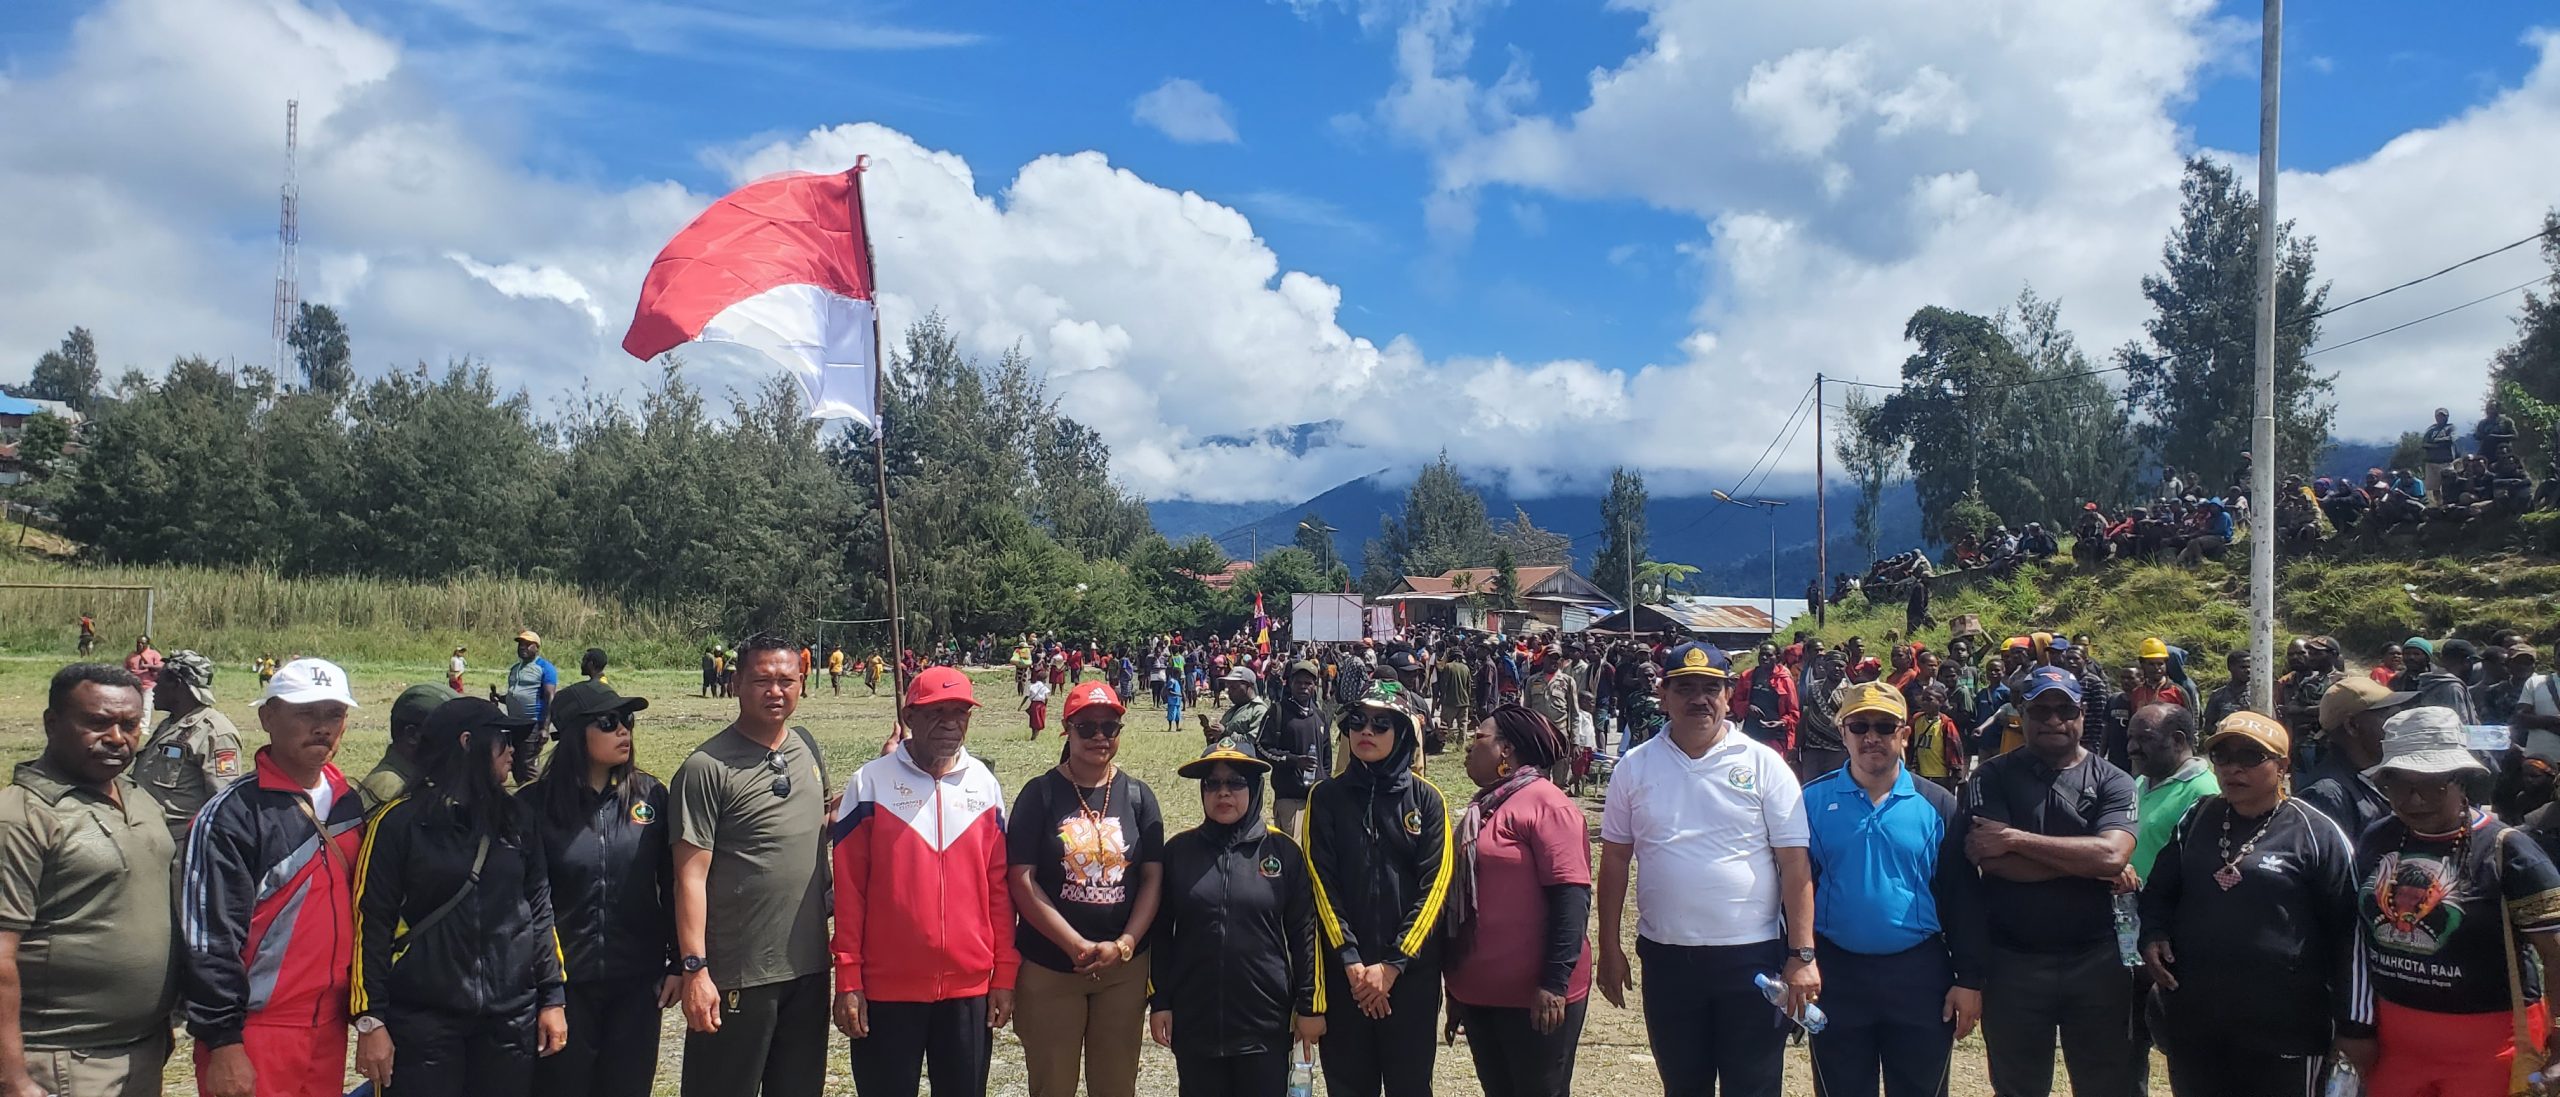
(1070, 1024)
(129, 1071)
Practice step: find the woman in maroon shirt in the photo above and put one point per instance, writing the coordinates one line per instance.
(1519, 969)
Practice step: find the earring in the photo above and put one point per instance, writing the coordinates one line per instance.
(1503, 770)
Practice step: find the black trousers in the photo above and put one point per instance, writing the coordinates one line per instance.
(2211, 1064)
(1885, 1022)
(947, 1039)
(1707, 1023)
(1514, 1059)
(613, 1042)
(437, 1054)
(1392, 1055)
(772, 1041)
(1259, 1074)
(2086, 997)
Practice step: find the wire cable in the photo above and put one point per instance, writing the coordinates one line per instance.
(2425, 318)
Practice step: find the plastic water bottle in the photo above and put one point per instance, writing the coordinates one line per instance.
(1302, 1076)
(2128, 931)
(2344, 1081)
(1776, 993)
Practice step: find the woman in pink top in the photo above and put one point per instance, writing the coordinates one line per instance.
(1519, 970)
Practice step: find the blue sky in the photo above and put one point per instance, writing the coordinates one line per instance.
(1586, 259)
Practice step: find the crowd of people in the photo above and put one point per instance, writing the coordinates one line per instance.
(1887, 852)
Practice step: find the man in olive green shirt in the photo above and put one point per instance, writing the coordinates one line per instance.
(86, 982)
(1242, 721)
(194, 752)
(398, 769)
(2168, 777)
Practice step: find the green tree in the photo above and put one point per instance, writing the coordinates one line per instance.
(40, 443)
(1442, 526)
(1506, 580)
(1280, 573)
(321, 350)
(174, 475)
(1622, 531)
(1870, 457)
(1312, 537)
(1529, 546)
(2411, 451)
(68, 373)
(1655, 580)
(2003, 407)
(2194, 380)
(2531, 364)
(1970, 513)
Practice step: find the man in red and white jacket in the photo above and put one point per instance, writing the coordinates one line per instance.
(924, 955)
(266, 907)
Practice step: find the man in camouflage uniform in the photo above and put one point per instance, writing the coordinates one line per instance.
(193, 753)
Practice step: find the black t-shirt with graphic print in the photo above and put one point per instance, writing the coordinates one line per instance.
(1089, 872)
(2428, 910)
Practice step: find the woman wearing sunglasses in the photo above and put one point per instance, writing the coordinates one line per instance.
(2248, 926)
(612, 881)
(2448, 899)
(1519, 961)
(1085, 854)
(1237, 939)
(1378, 843)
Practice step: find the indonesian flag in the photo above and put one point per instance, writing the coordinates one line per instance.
(781, 266)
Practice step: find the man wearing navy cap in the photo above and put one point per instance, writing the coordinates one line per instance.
(1726, 894)
(2052, 831)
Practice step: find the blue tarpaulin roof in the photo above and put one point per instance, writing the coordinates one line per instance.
(11, 405)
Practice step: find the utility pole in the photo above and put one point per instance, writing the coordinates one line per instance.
(288, 236)
(2262, 489)
(1821, 515)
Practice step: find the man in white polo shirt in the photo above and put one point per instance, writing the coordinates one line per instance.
(1717, 818)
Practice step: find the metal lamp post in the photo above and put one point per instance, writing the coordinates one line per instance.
(1771, 506)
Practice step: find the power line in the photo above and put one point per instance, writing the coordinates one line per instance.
(2427, 277)
(2425, 318)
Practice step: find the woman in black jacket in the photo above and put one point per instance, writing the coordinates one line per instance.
(456, 987)
(604, 840)
(1378, 846)
(1236, 939)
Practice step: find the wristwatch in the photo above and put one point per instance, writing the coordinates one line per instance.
(368, 1024)
(691, 964)
(1804, 954)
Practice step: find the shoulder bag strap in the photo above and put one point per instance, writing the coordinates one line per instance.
(471, 883)
(2528, 1055)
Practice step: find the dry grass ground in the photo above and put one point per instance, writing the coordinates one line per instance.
(850, 728)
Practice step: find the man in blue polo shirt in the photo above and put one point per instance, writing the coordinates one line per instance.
(1896, 911)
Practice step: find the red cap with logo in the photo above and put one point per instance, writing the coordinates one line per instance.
(937, 684)
(1091, 695)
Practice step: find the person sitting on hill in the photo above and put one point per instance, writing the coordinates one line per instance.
(2297, 513)
(2089, 540)
(2496, 433)
(2038, 543)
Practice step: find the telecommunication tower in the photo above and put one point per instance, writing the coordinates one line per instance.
(288, 234)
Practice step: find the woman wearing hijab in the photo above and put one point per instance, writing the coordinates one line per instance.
(612, 895)
(1236, 937)
(457, 982)
(1519, 966)
(1378, 845)
(2448, 899)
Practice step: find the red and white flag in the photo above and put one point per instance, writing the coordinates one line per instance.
(780, 266)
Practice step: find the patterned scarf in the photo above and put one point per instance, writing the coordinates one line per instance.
(1462, 915)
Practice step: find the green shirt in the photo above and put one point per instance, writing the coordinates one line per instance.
(2157, 810)
(1243, 723)
(765, 913)
(86, 886)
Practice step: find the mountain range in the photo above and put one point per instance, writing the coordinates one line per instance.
(1730, 545)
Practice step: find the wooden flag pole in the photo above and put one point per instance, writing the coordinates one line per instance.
(880, 470)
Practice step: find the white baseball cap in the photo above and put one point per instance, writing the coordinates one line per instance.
(306, 680)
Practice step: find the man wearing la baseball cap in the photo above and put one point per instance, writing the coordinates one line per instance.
(291, 1038)
(2053, 831)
